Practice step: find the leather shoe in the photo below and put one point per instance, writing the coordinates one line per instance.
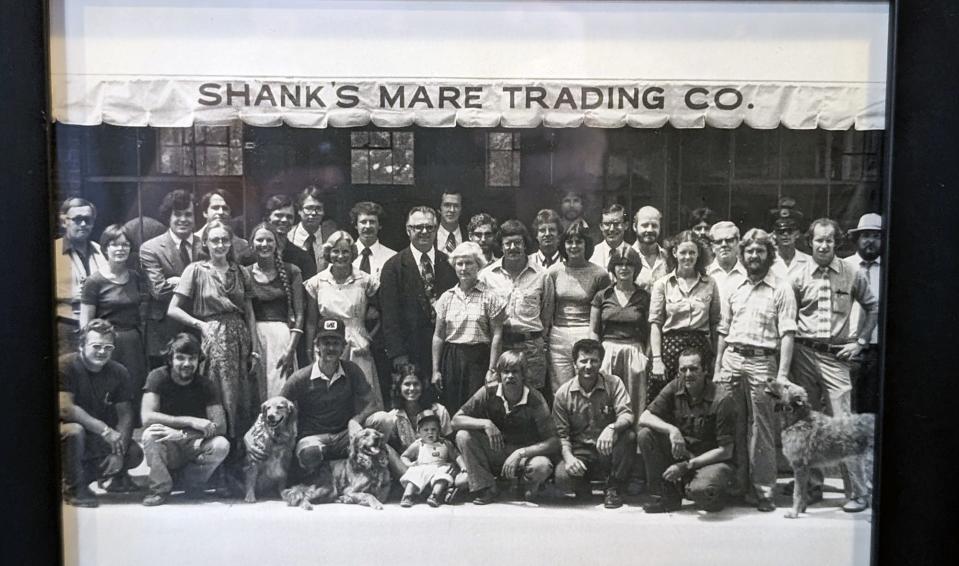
(766, 505)
(662, 506)
(856, 505)
(81, 497)
(121, 483)
(406, 501)
(484, 496)
(154, 499)
(612, 499)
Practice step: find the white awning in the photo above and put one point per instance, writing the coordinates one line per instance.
(500, 63)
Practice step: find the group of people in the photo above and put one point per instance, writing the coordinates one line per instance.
(559, 352)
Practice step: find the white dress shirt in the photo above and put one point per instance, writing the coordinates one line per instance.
(378, 256)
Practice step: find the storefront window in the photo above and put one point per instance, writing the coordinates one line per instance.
(379, 157)
(503, 159)
(200, 150)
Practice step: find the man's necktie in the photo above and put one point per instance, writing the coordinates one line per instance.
(84, 261)
(824, 306)
(184, 253)
(450, 243)
(365, 262)
(426, 272)
(309, 242)
(547, 261)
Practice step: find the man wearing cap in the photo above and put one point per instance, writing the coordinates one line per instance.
(865, 371)
(647, 224)
(826, 291)
(786, 219)
(725, 269)
(755, 345)
(332, 398)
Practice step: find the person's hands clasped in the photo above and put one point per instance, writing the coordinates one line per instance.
(511, 467)
(678, 445)
(494, 435)
(675, 472)
(604, 444)
(163, 433)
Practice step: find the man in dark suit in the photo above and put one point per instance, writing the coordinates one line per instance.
(163, 259)
(410, 283)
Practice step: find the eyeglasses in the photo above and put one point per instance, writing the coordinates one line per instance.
(727, 241)
(421, 227)
(218, 240)
(81, 219)
(312, 208)
(611, 224)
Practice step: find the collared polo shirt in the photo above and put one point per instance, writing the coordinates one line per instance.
(529, 296)
(726, 280)
(581, 416)
(651, 273)
(325, 404)
(469, 316)
(705, 425)
(847, 286)
(527, 423)
(758, 315)
(539, 259)
(676, 309)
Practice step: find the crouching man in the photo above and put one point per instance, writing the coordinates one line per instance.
(594, 422)
(96, 419)
(686, 436)
(505, 429)
(184, 423)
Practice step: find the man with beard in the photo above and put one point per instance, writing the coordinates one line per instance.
(547, 227)
(449, 234)
(410, 283)
(529, 300)
(789, 260)
(163, 260)
(214, 206)
(646, 224)
(75, 258)
(755, 345)
(865, 371)
(595, 427)
(312, 231)
(726, 269)
(826, 291)
(572, 204)
(96, 417)
(613, 226)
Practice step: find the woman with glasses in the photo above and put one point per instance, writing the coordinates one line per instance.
(119, 295)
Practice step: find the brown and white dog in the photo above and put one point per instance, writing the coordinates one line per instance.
(274, 432)
(363, 478)
(812, 439)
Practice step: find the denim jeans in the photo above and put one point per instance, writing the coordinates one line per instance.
(192, 460)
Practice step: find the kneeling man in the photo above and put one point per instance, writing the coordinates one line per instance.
(686, 436)
(594, 423)
(184, 421)
(506, 427)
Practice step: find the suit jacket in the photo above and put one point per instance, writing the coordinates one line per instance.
(160, 259)
(407, 329)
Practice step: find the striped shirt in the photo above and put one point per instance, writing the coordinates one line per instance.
(467, 317)
(847, 285)
(759, 314)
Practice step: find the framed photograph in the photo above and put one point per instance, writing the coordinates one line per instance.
(235, 183)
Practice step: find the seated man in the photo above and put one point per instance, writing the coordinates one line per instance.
(594, 423)
(96, 419)
(506, 427)
(184, 421)
(332, 397)
(686, 437)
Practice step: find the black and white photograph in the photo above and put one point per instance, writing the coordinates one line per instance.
(461, 282)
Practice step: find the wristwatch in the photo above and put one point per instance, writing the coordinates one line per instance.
(862, 341)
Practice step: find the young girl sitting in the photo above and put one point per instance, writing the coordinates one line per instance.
(430, 459)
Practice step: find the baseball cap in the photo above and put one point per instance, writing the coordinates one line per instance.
(331, 327)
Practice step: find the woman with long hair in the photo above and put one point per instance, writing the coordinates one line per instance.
(684, 309)
(277, 306)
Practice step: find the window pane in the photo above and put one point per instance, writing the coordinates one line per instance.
(804, 155)
(705, 155)
(403, 166)
(715, 197)
(381, 166)
(516, 140)
(360, 166)
(517, 158)
(359, 139)
(750, 205)
(757, 154)
(379, 139)
(500, 169)
(500, 141)
(403, 140)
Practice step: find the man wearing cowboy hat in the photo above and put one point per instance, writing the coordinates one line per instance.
(865, 372)
(786, 220)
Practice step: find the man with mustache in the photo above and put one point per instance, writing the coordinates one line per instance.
(613, 226)
(547, 228)
(755, 345)
(96, 416)
(367, 219)
(647, 224)
(75, 258)
(867, 259)
(449, 234)
(572, 205)
(825, 342)
(726, 269)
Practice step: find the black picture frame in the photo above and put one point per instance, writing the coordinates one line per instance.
(913, 518)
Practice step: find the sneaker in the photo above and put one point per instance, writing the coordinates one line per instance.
(612, 499)
(766, 505)
(484, 496)
(121, 483)
(856, 505)
(406, 501)
(81, 497)
(154, 499)
(661, 505)
(433, 501)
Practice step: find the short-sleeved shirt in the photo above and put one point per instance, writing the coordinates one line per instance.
(270, 303)
(580, 417)
(325, 406)
(575, 288)
(211, 293)
(97, 393)
(676, 309)
(406, 430)
(624, 322)
(651, 273)
(758, 314)
(469, 316)
(726, 280)
(529, 296)
(787, 272)
(706, 425)
(528, 422)
(190, 400)
(117, 303)
(872, 270)
(847, 286)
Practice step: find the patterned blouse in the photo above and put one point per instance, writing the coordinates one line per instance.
(468, 316)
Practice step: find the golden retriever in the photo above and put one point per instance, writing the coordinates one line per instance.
(274, 432)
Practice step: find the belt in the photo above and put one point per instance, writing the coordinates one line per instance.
(514, 337)
(751, 352)
(819, 346)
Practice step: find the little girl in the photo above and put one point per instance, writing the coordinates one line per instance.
(430, 459)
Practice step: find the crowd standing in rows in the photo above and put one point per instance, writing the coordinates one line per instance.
(560, 351)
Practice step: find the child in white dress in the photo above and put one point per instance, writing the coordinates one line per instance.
(431, 460)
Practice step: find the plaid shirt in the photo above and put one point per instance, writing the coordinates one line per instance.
(848, 286)
(580, 417)
(758, 315)
(529, 297)
(467, 316)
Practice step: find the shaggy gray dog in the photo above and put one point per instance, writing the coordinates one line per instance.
(812, 439)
